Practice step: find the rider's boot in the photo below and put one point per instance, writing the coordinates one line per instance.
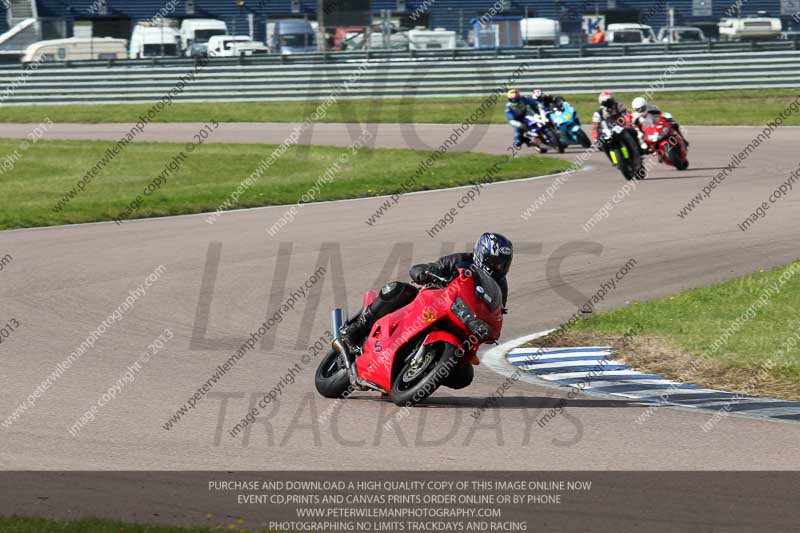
(357, 330)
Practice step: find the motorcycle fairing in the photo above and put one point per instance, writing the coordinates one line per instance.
(391, 332)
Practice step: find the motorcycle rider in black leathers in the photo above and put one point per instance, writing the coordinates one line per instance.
(492, 253)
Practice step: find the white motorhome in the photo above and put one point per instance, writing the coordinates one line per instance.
(629, 33)
(154, 40)
(76, 49)
(439, 39)
(539, 31)
(749, 28)
(234, 46)
(195, 34)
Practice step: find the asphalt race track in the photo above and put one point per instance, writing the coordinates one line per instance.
(219, 278)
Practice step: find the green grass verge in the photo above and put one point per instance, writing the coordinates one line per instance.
(19, 524)
(47, 170)
(747, 107)
(679, 334)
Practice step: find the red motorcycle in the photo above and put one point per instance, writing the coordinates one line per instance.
(663, 140)
(409, 353)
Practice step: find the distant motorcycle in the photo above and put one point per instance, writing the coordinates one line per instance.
(540, 127)
(668, 144)
(621, 147)
(568, 126)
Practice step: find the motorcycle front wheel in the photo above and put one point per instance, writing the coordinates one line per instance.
(424, 373)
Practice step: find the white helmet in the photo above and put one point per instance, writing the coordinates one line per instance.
(639, 104)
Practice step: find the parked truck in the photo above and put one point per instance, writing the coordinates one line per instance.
(291, 36)
(195, 34)
(154, 40)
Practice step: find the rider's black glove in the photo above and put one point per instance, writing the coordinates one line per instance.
(422, 273)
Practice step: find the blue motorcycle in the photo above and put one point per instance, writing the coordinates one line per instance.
(568, 126)
(540, 127)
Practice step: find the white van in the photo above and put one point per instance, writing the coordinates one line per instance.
(438, 39)
(195, 34)
(629, 33)
(76, 49)
(539, 31)
(149, 40)
(234, 46)
(681, 34)
(749, 28)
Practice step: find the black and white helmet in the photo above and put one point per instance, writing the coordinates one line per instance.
(493, 253)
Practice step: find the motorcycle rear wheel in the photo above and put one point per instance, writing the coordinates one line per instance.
(424, 373)
(331, 378)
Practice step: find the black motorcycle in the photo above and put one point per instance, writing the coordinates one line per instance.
(621, 147)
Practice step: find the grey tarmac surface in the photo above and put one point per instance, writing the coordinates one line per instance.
(64, 281)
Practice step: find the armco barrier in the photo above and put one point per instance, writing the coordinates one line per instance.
(138, 82)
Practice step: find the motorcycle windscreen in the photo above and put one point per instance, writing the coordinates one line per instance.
(487, 290)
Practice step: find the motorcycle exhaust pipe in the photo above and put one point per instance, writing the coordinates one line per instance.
(337, 321)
